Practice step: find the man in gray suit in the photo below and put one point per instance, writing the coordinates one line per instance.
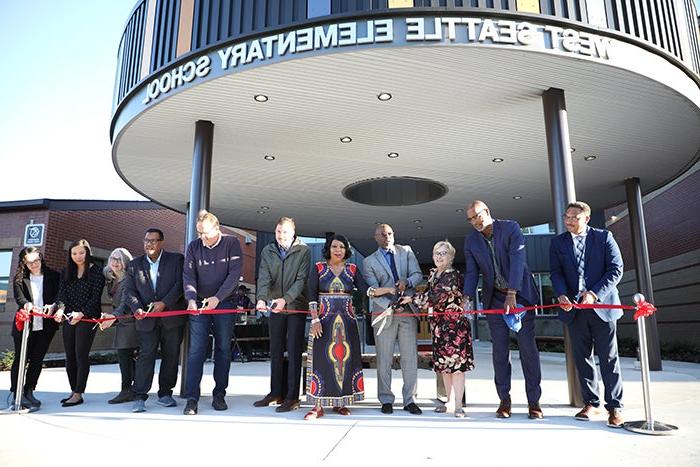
(393, 266)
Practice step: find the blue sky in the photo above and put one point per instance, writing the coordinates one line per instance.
(58, 67)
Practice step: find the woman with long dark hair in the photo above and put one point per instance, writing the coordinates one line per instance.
(79, 297)
(34, 285)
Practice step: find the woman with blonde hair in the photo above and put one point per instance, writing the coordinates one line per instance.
(452, 341)
(125, 338)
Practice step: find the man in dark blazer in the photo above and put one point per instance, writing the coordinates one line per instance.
(496, 250)
(156, 279)
(586, 266)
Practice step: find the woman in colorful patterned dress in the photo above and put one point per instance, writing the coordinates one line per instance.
(452, 341)
(334, 377)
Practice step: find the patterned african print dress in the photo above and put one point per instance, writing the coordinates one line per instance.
(334, 376)
(452, 337)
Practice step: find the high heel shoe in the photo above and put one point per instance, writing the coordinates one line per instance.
(316, 412)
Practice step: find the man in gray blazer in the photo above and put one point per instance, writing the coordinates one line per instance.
(156, 278)
(393, 266)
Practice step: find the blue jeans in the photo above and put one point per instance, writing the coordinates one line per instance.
(199, 326)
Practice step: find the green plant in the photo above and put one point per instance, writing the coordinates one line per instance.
(6, 359)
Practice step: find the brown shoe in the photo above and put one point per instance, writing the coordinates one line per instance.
(534, 412)
(267, 400)
(287, 406)
(615, 419)
(586, 413)
(503, 410)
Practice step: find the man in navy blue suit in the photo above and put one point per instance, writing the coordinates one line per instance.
(586, 266)
(497, 251)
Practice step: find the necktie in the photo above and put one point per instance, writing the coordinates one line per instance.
(580, 252)
(392, 265)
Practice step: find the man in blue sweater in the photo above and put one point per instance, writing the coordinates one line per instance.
(210, 277)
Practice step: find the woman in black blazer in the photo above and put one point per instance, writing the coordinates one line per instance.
(80, 296)
(34, 285)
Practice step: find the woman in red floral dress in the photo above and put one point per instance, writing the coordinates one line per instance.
(452, 340)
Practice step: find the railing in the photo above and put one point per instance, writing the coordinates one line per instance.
(151, 34)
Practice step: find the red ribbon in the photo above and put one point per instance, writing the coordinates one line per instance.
(644, 309)
(20, 319)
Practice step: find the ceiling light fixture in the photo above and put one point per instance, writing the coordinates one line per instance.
(260, 98)
(419, 227)
(345, 139)
(497, 160)
(517, 197)
(384, 96)
(590, 158)
(459, 210)
(417, 221)
(392, 155)
(269, 157)
(261, 212)
(265, 208)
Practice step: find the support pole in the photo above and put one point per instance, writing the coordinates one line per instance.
(642, 265)
(16, 408)
(561, 179)
(200, 191)
(649, 426)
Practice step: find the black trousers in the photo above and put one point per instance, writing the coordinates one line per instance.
(169, 340)
(37, 346)
(77, 341)
(286, 332)
(126, 366)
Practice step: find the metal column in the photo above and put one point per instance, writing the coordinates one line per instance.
(561, 179)
(642, 265)
(200, 191)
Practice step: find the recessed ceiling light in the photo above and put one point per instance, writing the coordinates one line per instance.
(419, 227)
(517, 197)
(590, 158)
(392, 155)
(269, 157)
(413, 239)
(459, 210)
(265, 208)
(260, 98)
(497, 160)
(261, 212)
(345, 139)
(384, 96)
(417, 221)
(573, 149)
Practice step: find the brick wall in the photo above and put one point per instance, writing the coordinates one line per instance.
(672, 223)
(106, 230)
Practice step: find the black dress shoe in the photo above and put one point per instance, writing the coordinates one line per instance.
(219, 403)
(33, 401)
(190, 408)
(287, 406)
(267, 400)
(413, 408)
(66, 398)
(68, 403)
(387, 408)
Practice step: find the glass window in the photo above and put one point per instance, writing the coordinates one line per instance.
(5, 263)
(547, 294)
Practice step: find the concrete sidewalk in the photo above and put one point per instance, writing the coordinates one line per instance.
(99, 434)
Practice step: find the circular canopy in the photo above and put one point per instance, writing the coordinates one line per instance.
(469, 118)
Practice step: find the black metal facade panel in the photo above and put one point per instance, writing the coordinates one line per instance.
(131, 51)
(652, 21)
(165, 29)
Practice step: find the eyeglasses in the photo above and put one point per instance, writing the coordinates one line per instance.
(475, 216)
(573, 218)
(148, 241)
(32, 263)
(440, 254)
